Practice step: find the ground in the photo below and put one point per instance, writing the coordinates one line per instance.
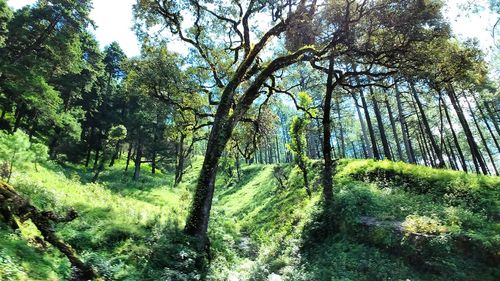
(388, 221)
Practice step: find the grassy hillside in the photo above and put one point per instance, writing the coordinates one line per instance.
(390, 221)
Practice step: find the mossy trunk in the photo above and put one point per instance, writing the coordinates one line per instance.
(197, 222)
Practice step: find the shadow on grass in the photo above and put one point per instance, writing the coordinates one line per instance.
(32, 261)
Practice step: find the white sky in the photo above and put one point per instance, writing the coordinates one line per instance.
(114, 23)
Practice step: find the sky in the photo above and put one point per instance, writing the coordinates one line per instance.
(114, 21)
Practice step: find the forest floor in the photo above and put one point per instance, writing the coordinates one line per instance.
(389, 221)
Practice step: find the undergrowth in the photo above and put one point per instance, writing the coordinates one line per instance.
(388, 221)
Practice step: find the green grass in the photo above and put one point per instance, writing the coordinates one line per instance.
(117, 215)
(132, 230)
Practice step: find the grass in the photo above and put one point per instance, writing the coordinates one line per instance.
(446, 226)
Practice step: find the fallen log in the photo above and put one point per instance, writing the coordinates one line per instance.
(371, 227)
(12, 205)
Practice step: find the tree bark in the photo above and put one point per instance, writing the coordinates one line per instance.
(421, 146)
(494, 118)
(223, 125)
(197, 222)
(451, 154)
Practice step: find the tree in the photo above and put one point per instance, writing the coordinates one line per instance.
(115, 136)
(5, 17)
(238, 67)
(17, 151)
(42, 44)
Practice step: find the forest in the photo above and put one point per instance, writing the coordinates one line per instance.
(288, 140)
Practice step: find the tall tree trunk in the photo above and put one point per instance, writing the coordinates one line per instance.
(485, 120)
(463, 163)
(327, 146)
(278, 158)
(366, 143)
(138, 160)
(470, 138)
(374, 148)
(19, 114)
(354, 150)
(363, 147)
(96, 158)
(87, 158)
(129, 154)
(115, 154)
(404, 128)
(179, 168)
(494, 117)
(238, 166)
(380, 124)
(89, 146)
(422, 148)
(440, 161)
(394, 130)
(483, 140)
(451, 154)
(153, 162)
(341, 128)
